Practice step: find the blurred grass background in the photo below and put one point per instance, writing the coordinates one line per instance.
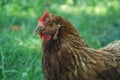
(98, 22)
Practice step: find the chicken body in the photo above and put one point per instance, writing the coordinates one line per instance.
(67, 57)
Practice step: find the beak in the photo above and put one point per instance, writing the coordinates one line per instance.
(38, 29)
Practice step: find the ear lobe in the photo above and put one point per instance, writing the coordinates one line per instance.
(44, 16)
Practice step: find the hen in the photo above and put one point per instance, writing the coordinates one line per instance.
(67, 57)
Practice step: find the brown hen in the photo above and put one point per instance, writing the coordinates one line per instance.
(67, 57)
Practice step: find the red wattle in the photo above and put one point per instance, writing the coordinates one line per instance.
(41, 36)
(45, 37)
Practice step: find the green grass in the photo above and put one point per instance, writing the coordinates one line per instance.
(20, 50)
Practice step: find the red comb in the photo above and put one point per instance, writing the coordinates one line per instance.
(44, 16)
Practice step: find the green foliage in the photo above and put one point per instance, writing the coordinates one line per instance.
(98, 22)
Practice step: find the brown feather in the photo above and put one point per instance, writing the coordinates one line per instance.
(68, 57)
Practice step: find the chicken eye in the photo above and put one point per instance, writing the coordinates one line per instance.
(50, 25)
